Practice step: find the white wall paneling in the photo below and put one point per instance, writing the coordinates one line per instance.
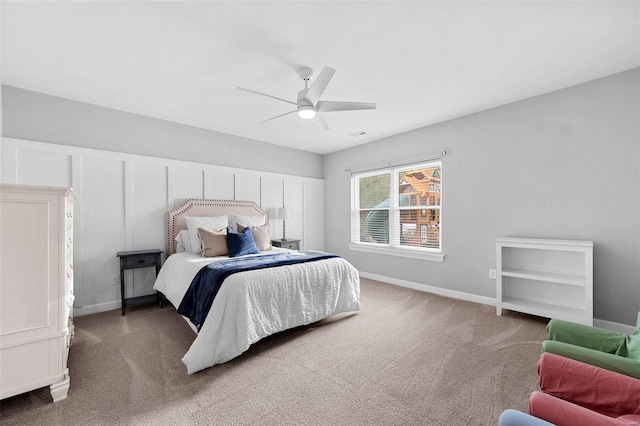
(32, 164)
(294, 200)
(247, 187)
(36, 116)
(219, 185)
(102, 231)
(271, 195)
(148, 224)
(123, 200)
(187, 183)
(313, 226)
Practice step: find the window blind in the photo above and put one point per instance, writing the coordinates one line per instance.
(370, 207)
(398, 206)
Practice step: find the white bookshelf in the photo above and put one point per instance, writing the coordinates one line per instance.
(548, 278)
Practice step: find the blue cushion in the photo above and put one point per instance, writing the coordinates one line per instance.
(241, 243)
(517, 418)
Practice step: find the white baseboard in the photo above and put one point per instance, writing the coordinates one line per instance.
(94, 309)
(608, 325)
(431, 289)
(454, 294)
(613, 326)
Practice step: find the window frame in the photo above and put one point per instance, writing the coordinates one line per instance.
(393, 247)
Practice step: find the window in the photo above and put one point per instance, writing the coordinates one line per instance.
(383, 212)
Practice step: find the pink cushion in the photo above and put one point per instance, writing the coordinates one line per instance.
(563, 413)
(597, 389)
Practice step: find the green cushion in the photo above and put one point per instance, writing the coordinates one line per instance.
(598, 339)
(585, 336)
(631, 346)
(608, 361)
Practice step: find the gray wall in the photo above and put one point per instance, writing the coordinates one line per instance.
(561, 165)
(44, 118)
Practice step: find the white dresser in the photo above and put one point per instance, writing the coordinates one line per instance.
(36, 288)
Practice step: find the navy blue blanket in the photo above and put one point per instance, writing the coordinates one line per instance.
(198, 299)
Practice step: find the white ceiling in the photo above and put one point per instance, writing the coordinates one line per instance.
(423, 62)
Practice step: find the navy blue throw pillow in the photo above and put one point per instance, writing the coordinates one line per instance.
(241, 243)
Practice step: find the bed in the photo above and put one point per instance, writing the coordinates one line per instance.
(253, 304)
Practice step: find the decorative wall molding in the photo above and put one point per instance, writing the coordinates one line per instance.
(123, 200)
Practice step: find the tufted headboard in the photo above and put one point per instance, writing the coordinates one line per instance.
(198, 207)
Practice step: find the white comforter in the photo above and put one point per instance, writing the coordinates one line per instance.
(254, 304)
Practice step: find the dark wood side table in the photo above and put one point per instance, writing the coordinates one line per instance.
(138, 259)
(288, 243)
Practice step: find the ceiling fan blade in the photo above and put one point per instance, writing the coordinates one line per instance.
(242, 89)
(320, 122)
(330, 106)
(319, 85)
(278, 116)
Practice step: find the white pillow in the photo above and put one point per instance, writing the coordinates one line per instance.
(212, 223)
(234, 219)
(183, 241)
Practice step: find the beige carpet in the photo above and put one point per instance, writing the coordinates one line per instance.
(408, 358)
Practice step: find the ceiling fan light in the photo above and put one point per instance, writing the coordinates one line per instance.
(306, 112)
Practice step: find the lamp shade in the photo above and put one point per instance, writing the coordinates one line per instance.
(283, 213)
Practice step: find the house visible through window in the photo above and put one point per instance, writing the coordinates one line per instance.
(383, 206)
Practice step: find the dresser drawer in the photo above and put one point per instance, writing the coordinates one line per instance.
(140, 261)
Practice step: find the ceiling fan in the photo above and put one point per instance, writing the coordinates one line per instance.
(309, 105)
